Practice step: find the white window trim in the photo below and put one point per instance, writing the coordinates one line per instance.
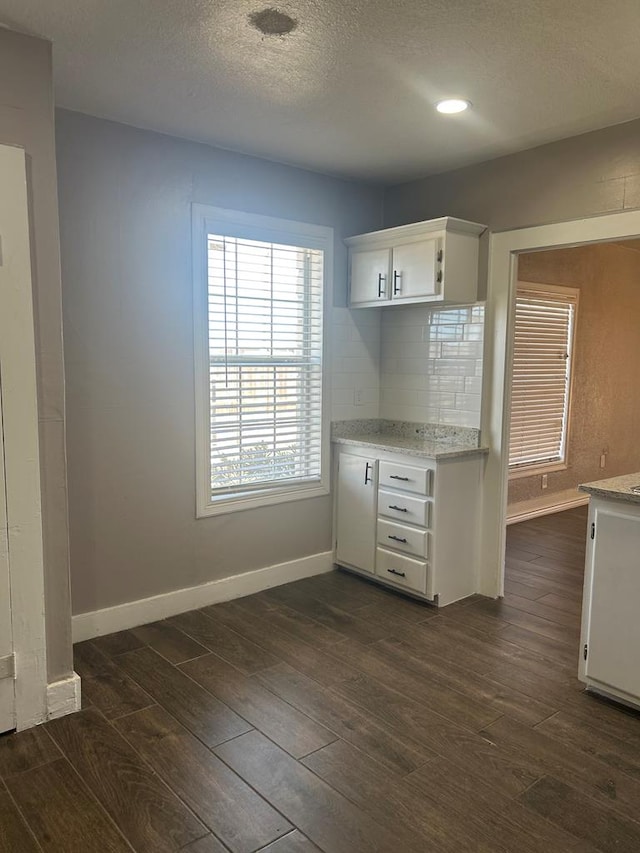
(536, 468)
(205, 220)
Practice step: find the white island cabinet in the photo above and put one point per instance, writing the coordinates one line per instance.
(409, 522)
(610, 641)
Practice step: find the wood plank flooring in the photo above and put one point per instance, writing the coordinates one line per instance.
(332, 715)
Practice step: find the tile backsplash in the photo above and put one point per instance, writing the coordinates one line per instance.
(355, 363)
(431, 365)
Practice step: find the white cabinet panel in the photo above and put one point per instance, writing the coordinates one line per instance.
(401, 537)
(404, 508)
(409, 478)
(416, 270)
(369, 276)
(356, 512)
(403, 571)
(614, 624)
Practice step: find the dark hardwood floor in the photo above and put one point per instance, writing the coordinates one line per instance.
(332, 715)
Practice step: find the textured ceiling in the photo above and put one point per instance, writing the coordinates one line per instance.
(350, 90)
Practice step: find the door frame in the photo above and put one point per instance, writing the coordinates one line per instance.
(504, 248)
(21, 442)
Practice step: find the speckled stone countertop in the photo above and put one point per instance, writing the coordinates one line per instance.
(428, 441)
(616, 488)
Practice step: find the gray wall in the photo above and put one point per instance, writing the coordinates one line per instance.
(591, 174)
(125, 199)
(26, 119)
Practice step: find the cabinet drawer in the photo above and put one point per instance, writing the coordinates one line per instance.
(411, 540)
(418, 480)
(402, 571)
(404, 508)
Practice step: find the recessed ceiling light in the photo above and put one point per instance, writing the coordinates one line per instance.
(450, 106)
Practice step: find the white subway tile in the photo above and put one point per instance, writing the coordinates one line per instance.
(468, 402)
(473, 332)
(447, 333)
(437, 382)
(466, 349)
(455, 417)
(450, 315)
(454, 366)
(473, 384)
(441, 399)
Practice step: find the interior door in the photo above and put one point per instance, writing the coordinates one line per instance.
(7, 691)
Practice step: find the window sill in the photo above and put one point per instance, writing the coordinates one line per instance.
(534, 470)
(254, 500)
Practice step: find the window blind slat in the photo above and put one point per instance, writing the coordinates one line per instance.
(541, 374)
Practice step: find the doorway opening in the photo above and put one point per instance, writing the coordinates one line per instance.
(506, 250)
(575, 410)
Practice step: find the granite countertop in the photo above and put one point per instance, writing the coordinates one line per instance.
(422, 440)
(616, 488)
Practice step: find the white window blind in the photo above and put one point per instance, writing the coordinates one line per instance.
(265, 321)
(544, 332)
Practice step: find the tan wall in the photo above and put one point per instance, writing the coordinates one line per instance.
(594, 173)
(125, 200)
(605, 409)
(26, 119)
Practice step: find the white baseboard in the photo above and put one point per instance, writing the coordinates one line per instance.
(545, 505)
(133, 613)
(63, 697)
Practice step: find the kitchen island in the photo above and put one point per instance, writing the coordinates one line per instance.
(610, 638)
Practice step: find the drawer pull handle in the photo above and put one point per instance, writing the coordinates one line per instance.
(399, 508)
(396, 572)
(397, 539)
(398, 477)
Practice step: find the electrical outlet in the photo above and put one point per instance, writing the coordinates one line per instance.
(603, 460)
(544, 481)
(359, 397)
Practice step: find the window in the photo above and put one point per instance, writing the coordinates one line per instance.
(260, 291)
(542, 367)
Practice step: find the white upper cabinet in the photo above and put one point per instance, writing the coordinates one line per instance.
(434, 261)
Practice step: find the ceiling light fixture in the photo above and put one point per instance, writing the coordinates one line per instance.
(451, 106)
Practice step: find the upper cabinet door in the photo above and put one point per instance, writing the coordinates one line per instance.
(417, 269)
(370, 276)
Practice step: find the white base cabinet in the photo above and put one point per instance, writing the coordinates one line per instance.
(610, 625)
(413, 525)
(356, 521)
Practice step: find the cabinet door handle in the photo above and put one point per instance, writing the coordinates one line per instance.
(439, 276)
(381, 279)
(396, 287)
(368, 468)
(398, 477)
(439, 256)
(399, 508)
(397, 539)
(396, 572)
